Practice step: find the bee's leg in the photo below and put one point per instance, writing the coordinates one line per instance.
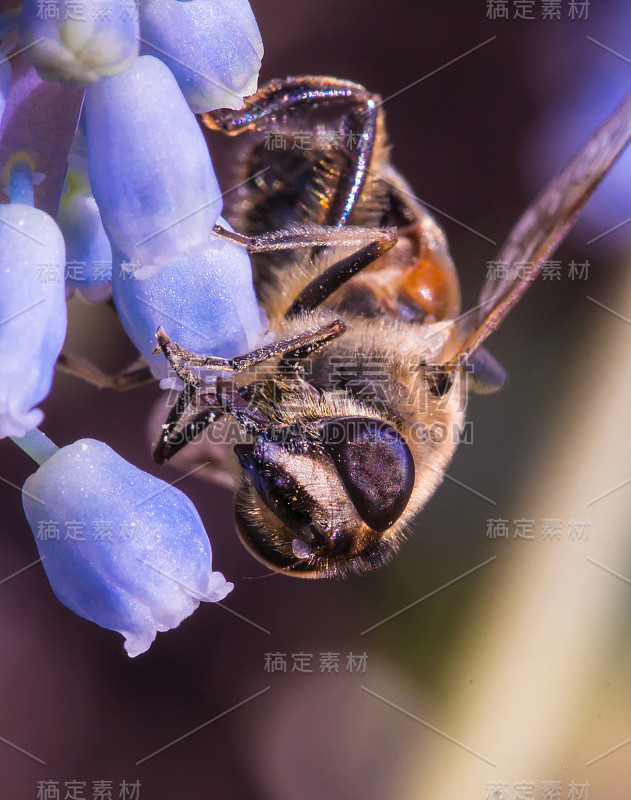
(195, 410)
(378, 242)
(298, 346)
(309, 236)
(136, 374)
(329, 281)
(278, 101)
(188, 417)
(209, 459)
(191, 414)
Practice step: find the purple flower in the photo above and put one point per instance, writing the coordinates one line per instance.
(150, 170)
(212, 47)
(205, 301)
(32, 306)
(120, 547)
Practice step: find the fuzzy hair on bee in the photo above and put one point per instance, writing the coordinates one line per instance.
(400, 415)
(349, 410)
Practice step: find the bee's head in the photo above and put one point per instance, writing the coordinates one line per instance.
(319, 500)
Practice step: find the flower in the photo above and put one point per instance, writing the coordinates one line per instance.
(88, 251)
(205, 301)
(39, 120)
(32, 312)
(78, 43)
(150, 170)
(212, 47)
(120, 547)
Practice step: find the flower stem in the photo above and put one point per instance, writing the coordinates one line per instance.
(37, 445)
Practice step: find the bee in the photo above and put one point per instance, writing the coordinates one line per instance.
(349, 411)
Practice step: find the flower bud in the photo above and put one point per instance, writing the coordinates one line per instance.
(212, 47)
(32, 313)
(78, 42)
(120, 547)
(204, 301)
(150, 170)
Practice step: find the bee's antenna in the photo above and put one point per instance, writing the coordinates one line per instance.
(258, 577)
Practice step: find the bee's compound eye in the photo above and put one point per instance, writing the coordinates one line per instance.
(375, 465)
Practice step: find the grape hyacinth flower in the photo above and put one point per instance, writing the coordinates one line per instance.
(205, 301)
(159, 204)
(120, 547)
(88, 250)
(149, 166)
(212, 47)
(32, 304)
(131, 553)
(78, 43)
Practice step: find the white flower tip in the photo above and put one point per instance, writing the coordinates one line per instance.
(251, 86)
(226, 95)
(14, 422)
(218, 587)
(135, 644)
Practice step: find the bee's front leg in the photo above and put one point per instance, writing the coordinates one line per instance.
(298, 346)
(196, 409)
(190, 415)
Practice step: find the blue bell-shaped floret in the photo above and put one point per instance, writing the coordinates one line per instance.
(32, 313)
(88, 250)
(78, 42)
(150, 170)
(213, 47)
(120, 547)
(204, 301)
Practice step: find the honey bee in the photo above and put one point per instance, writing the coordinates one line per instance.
(349, 428)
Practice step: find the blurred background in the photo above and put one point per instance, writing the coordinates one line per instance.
(504, 671)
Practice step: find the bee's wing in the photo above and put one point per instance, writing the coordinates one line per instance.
(541, 229)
